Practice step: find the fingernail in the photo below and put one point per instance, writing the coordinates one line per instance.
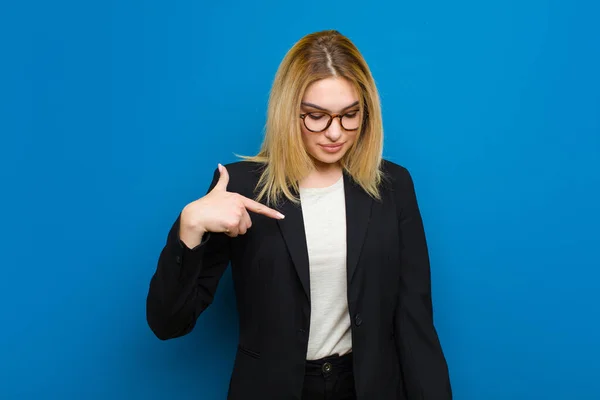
(219, 167)
(281, 216)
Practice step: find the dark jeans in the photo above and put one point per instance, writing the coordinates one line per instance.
(329, 378)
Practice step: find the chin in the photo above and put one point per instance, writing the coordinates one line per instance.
(326, 158)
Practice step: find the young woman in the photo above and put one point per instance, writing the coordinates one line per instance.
(326, 244)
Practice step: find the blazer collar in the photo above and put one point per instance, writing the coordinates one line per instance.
(358, 212)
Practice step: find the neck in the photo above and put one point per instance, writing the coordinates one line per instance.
(322, 175)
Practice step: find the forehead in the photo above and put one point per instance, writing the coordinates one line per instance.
(331, 93)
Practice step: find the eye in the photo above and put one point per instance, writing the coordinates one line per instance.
(351, 114)
(316, 116)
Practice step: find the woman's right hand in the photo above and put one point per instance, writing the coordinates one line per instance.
(219, 211)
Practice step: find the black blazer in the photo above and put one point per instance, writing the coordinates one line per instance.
(397, 354)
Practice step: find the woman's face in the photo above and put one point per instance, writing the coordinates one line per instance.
(333, 96)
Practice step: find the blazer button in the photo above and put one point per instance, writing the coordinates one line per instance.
(178, 260)
(358, 320)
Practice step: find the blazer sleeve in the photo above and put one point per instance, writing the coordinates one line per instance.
(185, 281)
(423, 364)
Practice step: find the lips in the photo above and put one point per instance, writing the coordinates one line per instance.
(332, 148)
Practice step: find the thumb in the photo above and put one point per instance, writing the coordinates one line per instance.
(223, 179)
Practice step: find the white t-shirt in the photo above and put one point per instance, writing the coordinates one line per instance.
(324, 213)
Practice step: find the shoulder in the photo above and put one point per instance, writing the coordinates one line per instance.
(243, 176)
(398, 182)
(393, 174)
(244, 169)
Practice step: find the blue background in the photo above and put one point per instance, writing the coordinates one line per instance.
(114, 115)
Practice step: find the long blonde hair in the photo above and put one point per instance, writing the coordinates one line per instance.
(317, 56)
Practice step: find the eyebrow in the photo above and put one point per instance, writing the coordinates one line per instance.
(324, 109)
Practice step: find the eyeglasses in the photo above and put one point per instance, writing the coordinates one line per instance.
(319, 121)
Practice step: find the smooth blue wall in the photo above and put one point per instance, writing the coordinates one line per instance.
(114, 116)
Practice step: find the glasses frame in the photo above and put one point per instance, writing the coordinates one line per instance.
(331, 117)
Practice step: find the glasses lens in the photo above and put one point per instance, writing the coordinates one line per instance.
(316, 121)
(351, 120)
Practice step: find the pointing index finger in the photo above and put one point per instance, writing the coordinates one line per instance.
(261, 209)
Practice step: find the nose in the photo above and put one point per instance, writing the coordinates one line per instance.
(334, 132)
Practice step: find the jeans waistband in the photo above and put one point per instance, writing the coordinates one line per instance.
(329, 365)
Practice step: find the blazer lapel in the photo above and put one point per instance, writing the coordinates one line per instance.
(292, 229)
(358, 213)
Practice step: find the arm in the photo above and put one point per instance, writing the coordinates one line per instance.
(422, 361)
(185, 281)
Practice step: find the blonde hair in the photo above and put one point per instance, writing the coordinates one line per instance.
(317, 56)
